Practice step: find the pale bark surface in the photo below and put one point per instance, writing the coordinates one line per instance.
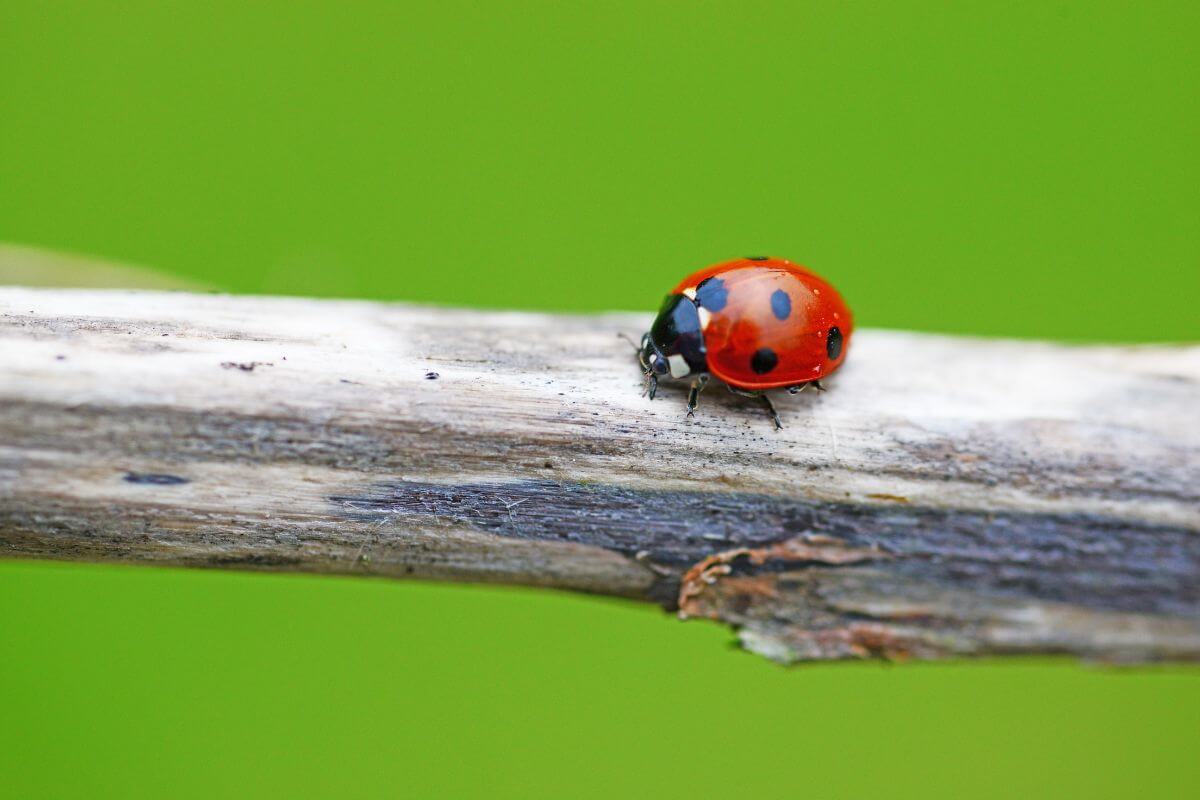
(946, 496)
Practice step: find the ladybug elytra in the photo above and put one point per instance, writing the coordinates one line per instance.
(753, 323)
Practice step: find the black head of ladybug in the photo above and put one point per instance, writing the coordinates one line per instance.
(674, 347)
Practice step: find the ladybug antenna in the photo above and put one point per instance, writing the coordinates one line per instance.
(640, 349)
(629, 339)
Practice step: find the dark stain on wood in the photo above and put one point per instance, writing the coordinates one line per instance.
(251, 560)
(1083, 559)
(245, 366)
(154, 478)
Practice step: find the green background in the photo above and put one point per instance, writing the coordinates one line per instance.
(1022, 169)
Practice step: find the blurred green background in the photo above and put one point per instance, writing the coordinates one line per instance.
(1022, 169)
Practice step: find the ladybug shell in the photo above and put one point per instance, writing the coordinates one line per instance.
(768, 322)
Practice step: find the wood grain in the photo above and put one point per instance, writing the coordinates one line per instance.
(947, 496)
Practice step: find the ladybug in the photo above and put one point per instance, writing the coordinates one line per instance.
(755, 324)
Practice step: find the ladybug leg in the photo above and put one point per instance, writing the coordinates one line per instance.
(800, 387)
(694, 395)
(766, 401)
(650, 382)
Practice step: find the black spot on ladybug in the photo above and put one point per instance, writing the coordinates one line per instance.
(763, 360)
(781, 304)
(431, 376)
(712, 294)
(833, 345)
(756, 258)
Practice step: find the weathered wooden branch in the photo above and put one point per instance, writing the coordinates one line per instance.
(946, 496)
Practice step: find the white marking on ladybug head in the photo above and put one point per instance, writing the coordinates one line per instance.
(690, 293)
(705, 317)
(679, 366)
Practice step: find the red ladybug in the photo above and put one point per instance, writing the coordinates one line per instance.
(755, 323)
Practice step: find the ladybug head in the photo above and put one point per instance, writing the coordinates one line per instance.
(674, 346)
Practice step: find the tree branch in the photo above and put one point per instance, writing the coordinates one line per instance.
(947, 496)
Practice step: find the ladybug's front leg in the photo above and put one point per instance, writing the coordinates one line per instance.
(694, 395)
